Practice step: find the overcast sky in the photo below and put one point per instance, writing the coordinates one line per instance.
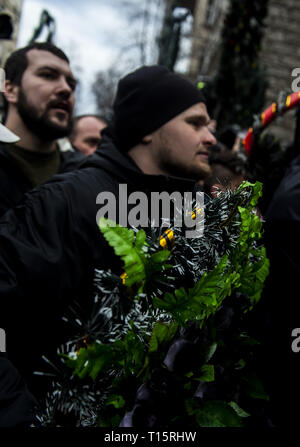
(91, 32)
(96, 34)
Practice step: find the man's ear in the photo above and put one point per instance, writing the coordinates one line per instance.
(11, 92)
(147, 139)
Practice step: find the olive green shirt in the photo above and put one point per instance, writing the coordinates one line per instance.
(37, 167)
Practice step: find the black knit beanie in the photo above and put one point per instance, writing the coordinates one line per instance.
(148, 98)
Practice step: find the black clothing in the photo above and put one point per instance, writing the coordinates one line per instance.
(13, 182)
(279, 308)
(50, 245)
(17, 406)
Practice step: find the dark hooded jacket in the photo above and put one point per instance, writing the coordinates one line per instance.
(14, 184)
(50, 246)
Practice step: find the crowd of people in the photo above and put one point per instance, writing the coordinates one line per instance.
(160, 138)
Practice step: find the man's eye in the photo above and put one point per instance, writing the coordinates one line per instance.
(72, 85)
(92, 143)
(47, 75)
(196, 124)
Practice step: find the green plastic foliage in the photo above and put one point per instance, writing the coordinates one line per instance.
(256, 192)
(116, 400)
(203, 299)
(242, 269)
(93, 359)
(255, 388)
(161, 335)
(249, 260)
(132, 248)
(207, 373)
(213, 413)
(129, 247)
(127, 355)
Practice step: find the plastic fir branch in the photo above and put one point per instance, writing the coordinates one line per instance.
(166, 341)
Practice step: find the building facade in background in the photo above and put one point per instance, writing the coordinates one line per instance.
(280, 49)
(10, 14)
(208, 22)
(280, 55)
(13, 9)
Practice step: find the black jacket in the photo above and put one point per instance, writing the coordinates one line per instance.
(50, 245)
(17, 405)
(278, 312)
(13, 183)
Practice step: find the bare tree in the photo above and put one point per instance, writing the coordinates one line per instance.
(104, 89)
(139, 47)
(145, 20)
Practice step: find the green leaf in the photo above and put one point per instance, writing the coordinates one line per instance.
(93, 359)
(127, 354)
(129, 247)
(214, 413)
(134, 353)
(105, 421)
(239, 411)
(116, 400)
(256, 191)
(207, 373)
(248, 260)
(161, 333)
(240, 364)
(210, 351)
(204, 298)
(254, 387)
(160, 256)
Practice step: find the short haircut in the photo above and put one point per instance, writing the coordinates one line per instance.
(79, 118)
(17, 62)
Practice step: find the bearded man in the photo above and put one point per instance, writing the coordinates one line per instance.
(39, 102)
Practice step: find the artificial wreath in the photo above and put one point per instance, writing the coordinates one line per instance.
(166, 342)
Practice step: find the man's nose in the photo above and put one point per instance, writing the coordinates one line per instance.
(63, 88)
(209, 138)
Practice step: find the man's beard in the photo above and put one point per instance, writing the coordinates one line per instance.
(172, 167)
(41, 126)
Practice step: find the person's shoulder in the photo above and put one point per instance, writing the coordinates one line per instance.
(285, 204)
(88, 175)
(71, 160)
(4, 151)
(17, 405)
(70, 190)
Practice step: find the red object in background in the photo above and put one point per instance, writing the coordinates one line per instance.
(248, 141)
(292, 100)
(267, 117)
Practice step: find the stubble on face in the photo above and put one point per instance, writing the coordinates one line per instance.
(169, 163)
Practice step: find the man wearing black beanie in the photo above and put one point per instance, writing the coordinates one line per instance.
(50, 244)
(160, 119)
